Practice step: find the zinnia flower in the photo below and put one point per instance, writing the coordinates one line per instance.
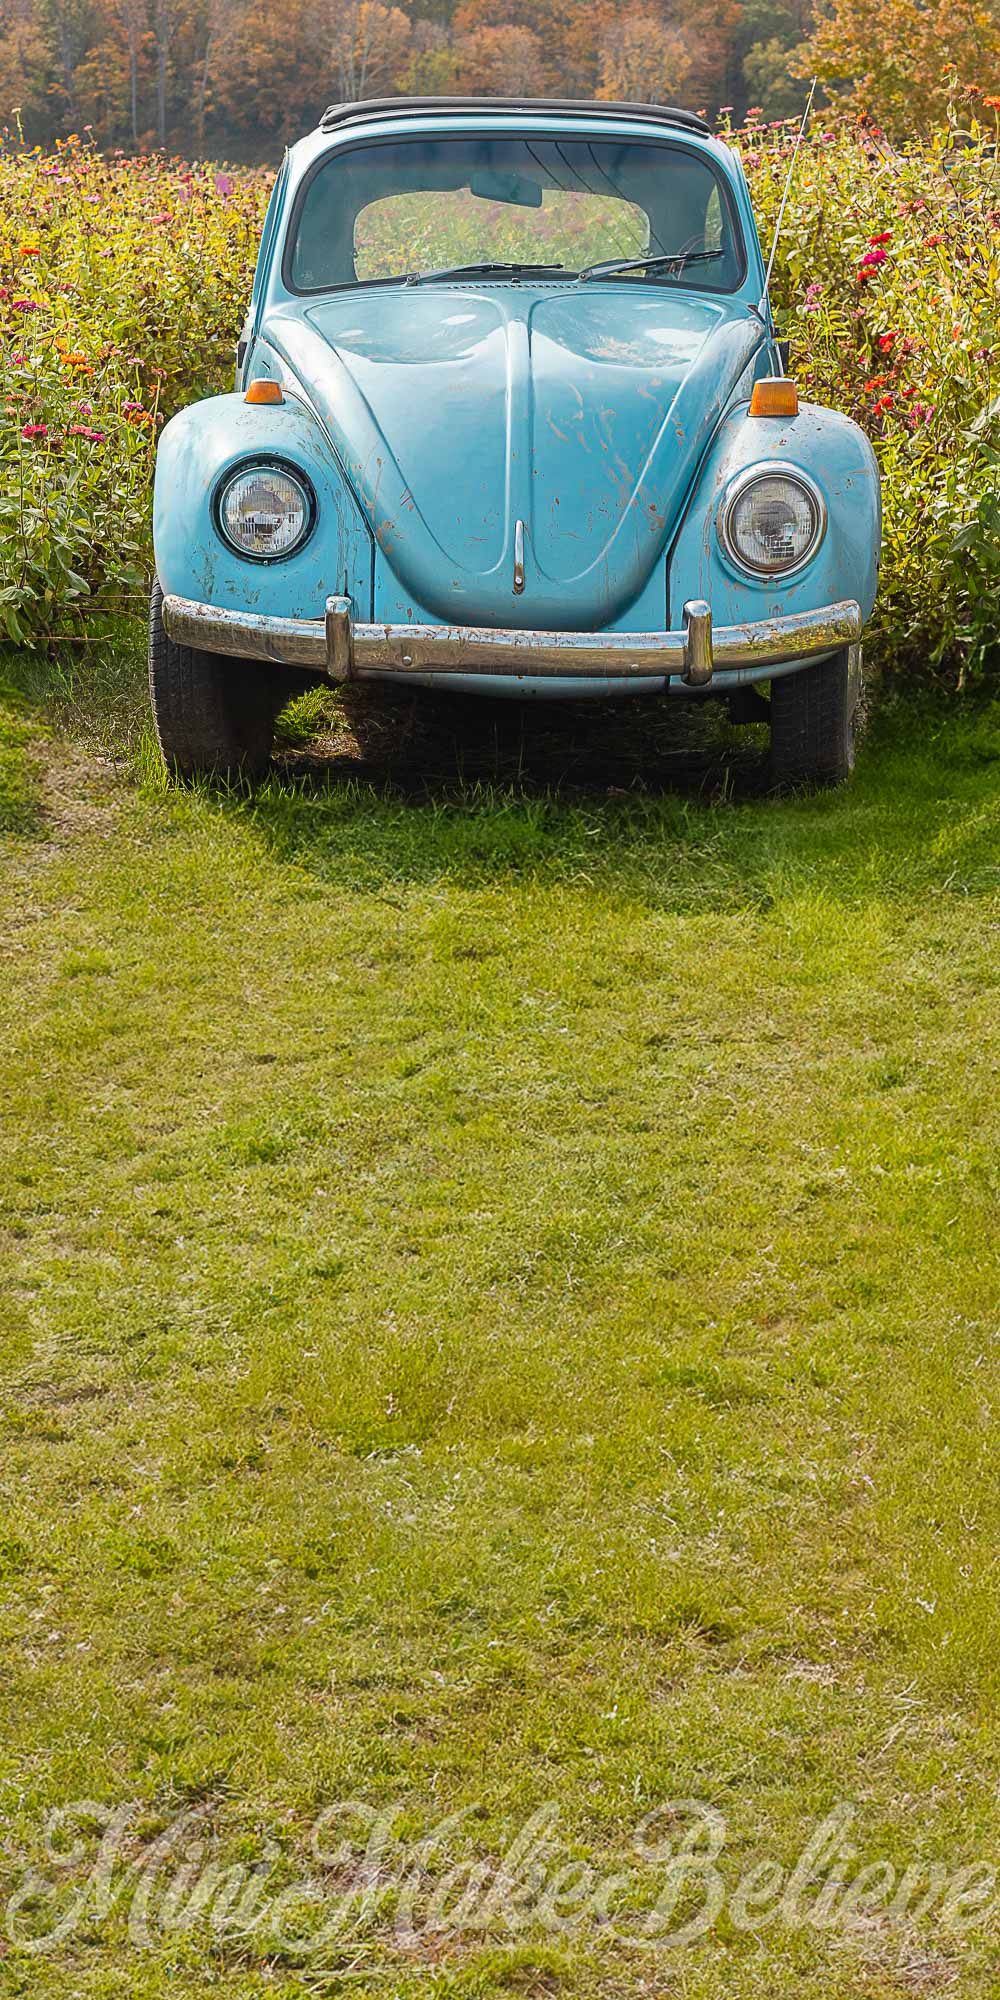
(35, 431)
(886, 341)
(884, 237)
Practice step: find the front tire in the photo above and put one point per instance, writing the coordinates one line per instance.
(213, 715)
(813, 722)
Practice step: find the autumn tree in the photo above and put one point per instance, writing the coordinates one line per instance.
(569, 35)
(503, 61)
(367, 43)
(25, 63)
(644, 57)
(889, 57)
(431, 69)
(772, 38)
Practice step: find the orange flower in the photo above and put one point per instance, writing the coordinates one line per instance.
(30, 250)
(992, 103)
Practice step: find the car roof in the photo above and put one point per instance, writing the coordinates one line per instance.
(567, 107)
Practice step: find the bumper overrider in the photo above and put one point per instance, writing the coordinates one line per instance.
(697, 656)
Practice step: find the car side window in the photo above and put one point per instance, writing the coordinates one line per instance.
(267, 233)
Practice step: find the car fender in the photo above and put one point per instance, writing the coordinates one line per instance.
(837, 456)
(196, 451)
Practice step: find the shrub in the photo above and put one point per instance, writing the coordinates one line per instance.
(887, 281)
(122, 282)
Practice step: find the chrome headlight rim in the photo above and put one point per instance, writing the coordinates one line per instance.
(264, 462)
(751, 476)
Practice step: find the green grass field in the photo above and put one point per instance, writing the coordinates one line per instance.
(501, 1311)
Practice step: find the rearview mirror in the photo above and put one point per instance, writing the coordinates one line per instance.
(517, 189)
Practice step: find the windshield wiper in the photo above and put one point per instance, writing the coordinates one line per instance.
(678, 259)
(489, 270)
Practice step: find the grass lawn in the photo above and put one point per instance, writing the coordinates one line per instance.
(500, 1312)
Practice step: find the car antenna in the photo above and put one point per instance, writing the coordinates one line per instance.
(765, 301)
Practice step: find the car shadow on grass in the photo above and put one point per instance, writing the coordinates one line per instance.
(667, 802)
(439, 745)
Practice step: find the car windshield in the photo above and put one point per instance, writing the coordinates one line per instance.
(418, 207)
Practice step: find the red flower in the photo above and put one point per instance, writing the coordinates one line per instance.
(886, 341)
(931, 242)
(885, 237)
(884, 403)
(35, 431)
(877, 382)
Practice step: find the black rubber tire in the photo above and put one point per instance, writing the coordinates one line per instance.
(213, 715)
(812, 723)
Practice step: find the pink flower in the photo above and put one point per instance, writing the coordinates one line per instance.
(85, 409)
(84, 431)
(35, 431)
(19, 360)
(223, 184)
(871, 258)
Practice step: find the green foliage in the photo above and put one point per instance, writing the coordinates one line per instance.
(121, 284)
(887, 280)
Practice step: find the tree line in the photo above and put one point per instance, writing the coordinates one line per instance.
(240, 77)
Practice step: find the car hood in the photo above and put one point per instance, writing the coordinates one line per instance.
(459, 410)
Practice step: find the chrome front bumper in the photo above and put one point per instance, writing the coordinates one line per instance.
(696, 657)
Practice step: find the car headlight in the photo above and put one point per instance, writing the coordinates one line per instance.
(265, 511)
(772, 522)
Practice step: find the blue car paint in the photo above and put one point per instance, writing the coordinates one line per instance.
(197, 449)
(608, 417)
(458, 410)
(840, 459)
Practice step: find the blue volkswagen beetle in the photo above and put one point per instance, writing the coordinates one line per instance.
(510, 417)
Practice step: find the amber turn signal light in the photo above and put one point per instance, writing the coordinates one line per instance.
(775, 396)
(264, 392)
